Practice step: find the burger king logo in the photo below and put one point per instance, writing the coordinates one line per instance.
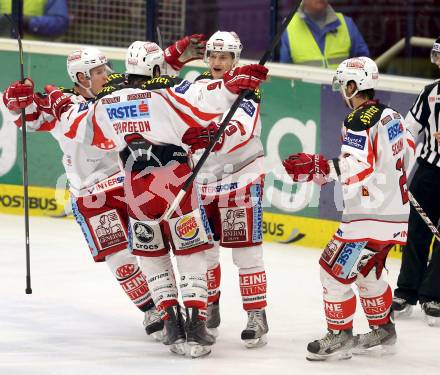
(186, 228)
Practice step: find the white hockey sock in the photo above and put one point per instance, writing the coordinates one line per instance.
(193, 285)
(160, 276)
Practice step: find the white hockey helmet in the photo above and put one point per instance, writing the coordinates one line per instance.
(362, 70)
(435, 51)
(224, 41)
(83, 61)
(142, 58)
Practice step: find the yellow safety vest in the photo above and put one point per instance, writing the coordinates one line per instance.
(304, 49)
(30, 8)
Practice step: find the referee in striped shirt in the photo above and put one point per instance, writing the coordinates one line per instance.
(418, 281)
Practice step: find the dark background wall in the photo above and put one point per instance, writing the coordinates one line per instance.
(382, 23)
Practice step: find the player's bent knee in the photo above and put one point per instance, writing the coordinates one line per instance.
(213, 255)
(120, 259)
(334, 290)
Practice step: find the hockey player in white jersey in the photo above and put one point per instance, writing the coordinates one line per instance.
(94, 176)
(371, 168)
(146, 125)
(231, 185)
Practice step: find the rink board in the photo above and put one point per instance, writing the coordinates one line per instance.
(286, 229)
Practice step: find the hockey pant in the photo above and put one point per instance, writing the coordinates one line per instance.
(361, 263)
(149, 194)
(103, 220)
(236, 221)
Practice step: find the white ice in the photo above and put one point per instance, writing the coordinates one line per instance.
(78, 320)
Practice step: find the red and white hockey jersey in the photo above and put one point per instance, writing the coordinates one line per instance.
(375, 153)
(240, 160)
(160, 111)
(89, 170)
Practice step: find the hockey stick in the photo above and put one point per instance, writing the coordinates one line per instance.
(159, 37)
(424, 217)
(25, 163)
(225, 122)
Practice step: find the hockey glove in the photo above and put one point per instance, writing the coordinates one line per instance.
(19, 95)
(184, 50)
(307, 167)
(54, 103)
(198, 138)
(247, 77)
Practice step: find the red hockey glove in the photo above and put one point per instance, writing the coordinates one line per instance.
(306, 167)
(189, 48)
(19, 95)
(247, 77)
(199, 138)
(55, 103)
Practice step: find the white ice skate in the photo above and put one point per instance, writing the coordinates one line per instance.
(335, 345)
(379, 341)
(153, 324)
(255, 333)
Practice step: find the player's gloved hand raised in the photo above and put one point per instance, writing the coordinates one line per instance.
(54, 103)
(199, 138)
(307, 167)
(189, 48)
(19, 95)
(247, 77)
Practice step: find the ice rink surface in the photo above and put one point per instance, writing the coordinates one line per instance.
(78, 320)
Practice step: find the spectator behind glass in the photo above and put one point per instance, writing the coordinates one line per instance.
(42, 19)
(319, 36)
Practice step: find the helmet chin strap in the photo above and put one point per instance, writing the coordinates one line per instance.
(87, 89)
(348, 98)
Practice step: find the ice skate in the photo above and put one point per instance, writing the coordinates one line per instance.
(153, 324)
(333, 346)
(401, 307)
(213, 320)
(255, 333)
(431, 311)
(198, 339)
(174, 331)
(380, 340)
